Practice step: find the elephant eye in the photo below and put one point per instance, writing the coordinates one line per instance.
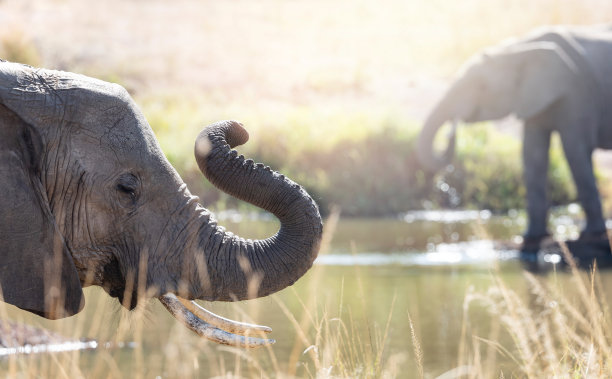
(127, 186)
(125, 189)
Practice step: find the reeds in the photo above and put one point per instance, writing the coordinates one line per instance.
(327, 343)
(560, 329)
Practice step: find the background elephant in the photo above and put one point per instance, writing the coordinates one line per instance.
(555, 79)
(88, 198)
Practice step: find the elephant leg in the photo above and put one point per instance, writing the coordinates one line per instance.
(536, 143)
(579, 158)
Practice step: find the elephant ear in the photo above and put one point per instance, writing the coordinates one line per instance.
(37, 273)
(545, 74)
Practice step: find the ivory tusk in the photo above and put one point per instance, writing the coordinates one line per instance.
(222, 322)
(206, 330)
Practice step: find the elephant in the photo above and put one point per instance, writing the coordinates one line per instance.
(89, 198)
(554, 79)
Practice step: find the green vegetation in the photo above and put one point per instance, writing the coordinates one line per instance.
(488, 172)
(16, 46)
(363, 162)
(331, 114)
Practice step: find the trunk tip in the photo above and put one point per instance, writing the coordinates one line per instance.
(236, 134)
(234, 131)
(229, 131)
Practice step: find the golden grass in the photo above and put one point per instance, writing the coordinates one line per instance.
(327, 343)
(558, 331)
(560, 328)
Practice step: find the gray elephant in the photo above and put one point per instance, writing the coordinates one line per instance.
(555, 79)
(88, 198)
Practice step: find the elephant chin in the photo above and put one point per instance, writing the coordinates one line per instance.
(215, 328)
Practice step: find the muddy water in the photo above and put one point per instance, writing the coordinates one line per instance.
(420, 264)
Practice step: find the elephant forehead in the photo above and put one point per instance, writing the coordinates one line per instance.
(105, 118)
(124, 131)
(129, 148)
(96, 121)
(47, 98)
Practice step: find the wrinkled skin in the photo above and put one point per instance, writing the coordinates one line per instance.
(88, 198)
(554, 80)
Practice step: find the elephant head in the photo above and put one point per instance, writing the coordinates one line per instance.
(520, 78)
(88, 198)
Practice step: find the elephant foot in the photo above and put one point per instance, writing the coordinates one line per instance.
(591, 248)
(529, 252)
(594, 237)
(587, 250)
(533, 244)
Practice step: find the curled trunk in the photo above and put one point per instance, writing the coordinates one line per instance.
(237, 268)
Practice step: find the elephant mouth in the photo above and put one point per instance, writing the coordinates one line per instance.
(213, 327)
(113, 283)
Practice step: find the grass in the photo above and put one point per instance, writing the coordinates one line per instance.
(16, 46)
(238, 49)
(559, 328)
(327, 343)
(558, 332)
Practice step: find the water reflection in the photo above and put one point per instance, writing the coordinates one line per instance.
(62, 347)
(463, 253)
(416, 231)
(446, 216)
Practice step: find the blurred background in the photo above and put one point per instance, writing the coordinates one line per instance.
(333, 94)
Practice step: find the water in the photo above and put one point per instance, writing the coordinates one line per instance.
(48, 348)
(420, 264)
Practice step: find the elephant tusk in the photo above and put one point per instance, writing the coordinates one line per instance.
(174, 305)
(223, 323)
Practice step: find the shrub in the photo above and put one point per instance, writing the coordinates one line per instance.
(378, 175)
(16, 46)
(365, 163)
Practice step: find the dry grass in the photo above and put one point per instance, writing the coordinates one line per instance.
(327, 343)
(558, 331)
